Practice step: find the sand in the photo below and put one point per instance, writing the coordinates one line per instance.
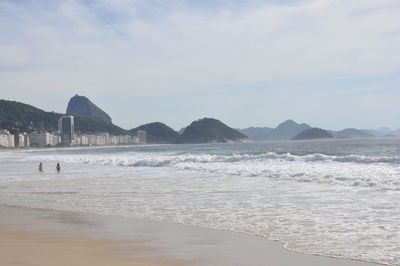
(28, 248)
(47, 237)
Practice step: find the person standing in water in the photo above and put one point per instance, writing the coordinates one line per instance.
(41, 167)
(58, 167)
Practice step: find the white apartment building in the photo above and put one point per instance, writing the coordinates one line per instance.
(42, 139)
(6, 139)
(23, 140)
(105, 139)
(13, 140)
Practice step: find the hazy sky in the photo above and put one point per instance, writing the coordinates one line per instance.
(330, 63)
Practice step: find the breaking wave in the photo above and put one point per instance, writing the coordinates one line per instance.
(382, 173)
(162, 160)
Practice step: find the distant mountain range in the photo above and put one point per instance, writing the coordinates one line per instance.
(383, 131)
(91, 119)
(284, 131)
(290, 129)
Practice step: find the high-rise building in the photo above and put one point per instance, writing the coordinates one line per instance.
(66, 127)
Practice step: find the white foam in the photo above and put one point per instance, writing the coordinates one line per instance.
(381, 173)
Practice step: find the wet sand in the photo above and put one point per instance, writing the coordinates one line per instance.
(47, 237)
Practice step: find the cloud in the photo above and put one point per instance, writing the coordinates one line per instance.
(158, 48)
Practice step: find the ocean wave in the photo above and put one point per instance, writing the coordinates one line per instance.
(157, 160)
(381, 173)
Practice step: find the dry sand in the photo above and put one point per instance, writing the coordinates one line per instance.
(47, 237)
(28, 248)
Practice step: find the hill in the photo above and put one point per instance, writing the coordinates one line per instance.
(81, 105)
(351, 133)
(209, 130)
(157, 133)
(29, 118)
(313, 133)
(284, 131)
(26, 117)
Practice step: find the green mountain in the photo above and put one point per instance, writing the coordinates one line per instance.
(157, 133)
(81, 105)
(28, 118)
(90, 124)
(209, 130)
(313, 133)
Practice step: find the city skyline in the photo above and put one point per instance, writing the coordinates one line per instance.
(331, 64)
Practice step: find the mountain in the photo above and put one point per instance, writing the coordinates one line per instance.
(29, 118)
(380, 132)
(90, 125)
(209, 130)
(157, 133)
(83, 106)
(255, 133)
(351, 133)
(313, 133)
(285, 131)
(26, 117)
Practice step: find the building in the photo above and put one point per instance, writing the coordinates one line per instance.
(103, 139)
(66, 127)
(42, 139)
(55, 140)
(135, 140)
(142, 136)
(15, 133)
(20, 139)
(6, 139)
(83, 140)
(24, 140)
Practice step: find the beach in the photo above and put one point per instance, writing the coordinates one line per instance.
(222, 133)
(30, 236)
(286, 203)
(28, 248)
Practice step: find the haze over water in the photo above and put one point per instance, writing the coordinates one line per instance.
(330, 197)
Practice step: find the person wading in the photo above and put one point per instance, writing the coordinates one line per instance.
(41, 167)
(58, 167)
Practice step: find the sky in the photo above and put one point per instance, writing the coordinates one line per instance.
(333, 64)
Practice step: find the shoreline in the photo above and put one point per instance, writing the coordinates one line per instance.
(129, 240)
(45, 148)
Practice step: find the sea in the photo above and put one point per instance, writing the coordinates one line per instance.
(338, 198)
